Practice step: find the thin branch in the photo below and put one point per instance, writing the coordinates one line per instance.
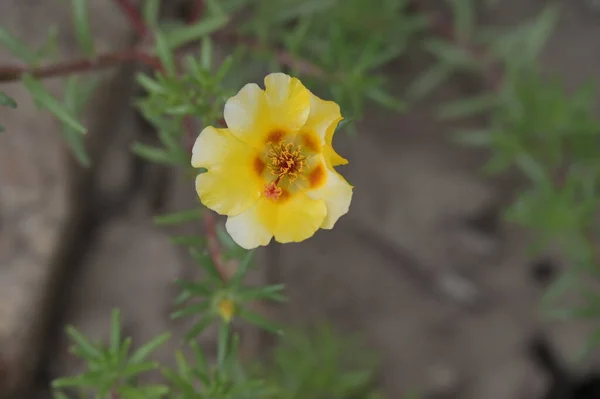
(196, 11)
(134, 17)
(83, 65)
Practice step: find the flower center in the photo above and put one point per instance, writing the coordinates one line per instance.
(285, 160)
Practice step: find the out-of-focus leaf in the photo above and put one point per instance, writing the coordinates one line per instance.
(150, 10)
(469, 106)
(179, 217)
(378, 95)
(302, 9)
(7, 101)
(16, 47)
(83, 31)
(115, 332)
(539, 32)
(474, 138)
(207, 53)
(88, 350)
(74, 101)
(205, 321)
(44, 99)
(464, 17)
(142, 353)
(428, 81)
(189, 33)
(242, 269)
(165, 54)
(450, 53)
(260, 321)
(153, 154)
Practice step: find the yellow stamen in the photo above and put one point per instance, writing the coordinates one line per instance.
(286, 160)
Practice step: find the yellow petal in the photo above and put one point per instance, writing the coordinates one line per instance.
(288, 102)
(247, 115)
(332, 157)
(335, 192)
(292, 219)
(247, 230)
(232, 183)
(323, 116)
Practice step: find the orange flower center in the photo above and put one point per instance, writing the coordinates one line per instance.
(285, 160)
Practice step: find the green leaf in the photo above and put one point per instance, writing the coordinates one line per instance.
(165, 54)
(60, 395)
(179, 217)
(153, 154)
(150, 11)
(464, 17)
(378, 95)
(145, 350)
(115, 333)
(201, 362)
(450, 53)
(428, 81)
(197, 288)
(43, 98)
(537, 35)
(242, 269)
(189, 241)
(83, 31)
(151, 85)
(474, 138)
(207, 53)
(223, 341)
(131, 370)
(205, 261)
(87, 349)
(303, 9)
(74, 102)
(16, 47)
(271, 292)
(260, 321)
(196, 308)
(531, 167)
(7, 101)
(469, 107)
(201, 325)
(190, 33)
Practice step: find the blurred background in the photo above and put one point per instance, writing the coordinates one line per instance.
(424, 268)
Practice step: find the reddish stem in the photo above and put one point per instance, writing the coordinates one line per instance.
(134, 17)
(214, 247)
(196, 11)
(12, 73)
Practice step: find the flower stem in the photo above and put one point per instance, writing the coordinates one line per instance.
(83, 65)
(134, 16)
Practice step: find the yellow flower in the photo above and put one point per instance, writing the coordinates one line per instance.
(271, 171)
(226, 309)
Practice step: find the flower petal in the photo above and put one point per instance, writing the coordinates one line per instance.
(332, 157)
(247, 230)
(288, 102)
(292, 219)
(232, 183)
(246, 114)
(336, 193)
(323, 115)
